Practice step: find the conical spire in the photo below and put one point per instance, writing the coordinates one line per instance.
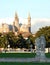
(16, 21)
(13, 26)
(29, 22)
(29, 17)
(16, 17)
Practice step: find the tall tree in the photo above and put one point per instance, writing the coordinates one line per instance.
(46, 32)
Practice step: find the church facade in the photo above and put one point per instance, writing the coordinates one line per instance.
(24, 29)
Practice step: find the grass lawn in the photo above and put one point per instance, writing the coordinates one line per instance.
(22, 63)
(47, 55)
(20, 55)
(17, 55)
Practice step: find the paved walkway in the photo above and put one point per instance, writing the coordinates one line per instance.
(24, 60)
(16, 59)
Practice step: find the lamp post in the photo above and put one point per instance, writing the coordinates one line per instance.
(31, 48)
(8, 47)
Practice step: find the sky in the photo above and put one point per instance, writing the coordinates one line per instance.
(38, 9)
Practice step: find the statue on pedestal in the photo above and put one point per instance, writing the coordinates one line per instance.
(40, 43)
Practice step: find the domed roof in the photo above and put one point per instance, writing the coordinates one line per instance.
(24, 28)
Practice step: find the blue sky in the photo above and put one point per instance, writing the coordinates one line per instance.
(37, 8)
(39, 11)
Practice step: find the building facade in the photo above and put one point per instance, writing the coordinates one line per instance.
(17, 27)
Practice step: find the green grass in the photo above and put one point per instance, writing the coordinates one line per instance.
(47, 55)
(22, 63)
(17, 55)
(20, 55)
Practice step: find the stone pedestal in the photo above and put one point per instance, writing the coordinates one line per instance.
(40, 56)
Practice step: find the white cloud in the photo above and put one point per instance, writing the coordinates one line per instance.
(34, 21)
(6, 20)
(39, 23)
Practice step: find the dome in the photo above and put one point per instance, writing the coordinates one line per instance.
(24, 28)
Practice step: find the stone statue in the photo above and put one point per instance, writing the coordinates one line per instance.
(40, 43)
(37, 43)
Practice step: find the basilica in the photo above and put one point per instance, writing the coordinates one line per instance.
(16, 27)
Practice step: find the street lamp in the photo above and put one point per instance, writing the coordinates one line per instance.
(31, 47)
(8, 47)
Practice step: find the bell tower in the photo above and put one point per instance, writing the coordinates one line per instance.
(16, 21)
(29, 22)
(13, 26)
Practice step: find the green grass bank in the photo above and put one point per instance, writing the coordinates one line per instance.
(17, 55)
(22, 63)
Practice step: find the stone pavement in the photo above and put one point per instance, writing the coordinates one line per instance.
(16, 59)
(24, 60)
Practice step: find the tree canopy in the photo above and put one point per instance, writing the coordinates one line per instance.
(46, 32)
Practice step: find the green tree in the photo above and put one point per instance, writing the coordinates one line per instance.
(46, 32)
(32, 41)
(12, 39)
(21, 41)
(3, 41)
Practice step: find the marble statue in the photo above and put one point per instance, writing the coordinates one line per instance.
(40, 44)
